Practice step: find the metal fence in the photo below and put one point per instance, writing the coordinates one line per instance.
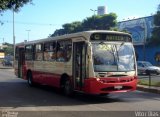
(150, 78)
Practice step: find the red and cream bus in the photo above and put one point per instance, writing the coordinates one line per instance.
(93, 62)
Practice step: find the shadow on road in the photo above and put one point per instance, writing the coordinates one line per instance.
(19, 94)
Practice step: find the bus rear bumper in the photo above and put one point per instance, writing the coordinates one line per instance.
(94, 86)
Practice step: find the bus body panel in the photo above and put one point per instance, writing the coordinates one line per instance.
(47, 73)
(46, 78)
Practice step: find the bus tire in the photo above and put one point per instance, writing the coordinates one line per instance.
(30, 79)
(104, 94)
(68, 90)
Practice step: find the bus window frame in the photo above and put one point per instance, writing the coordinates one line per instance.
(63, 52)
(52, 51)
(31, 52)
(38, 53)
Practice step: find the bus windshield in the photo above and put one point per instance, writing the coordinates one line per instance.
(111, 57)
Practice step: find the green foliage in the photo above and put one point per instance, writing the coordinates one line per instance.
(68, 28)
(95, 22)
(8, 50)
(146, 82)
(98, 22)
(12, 4)
(72, 27)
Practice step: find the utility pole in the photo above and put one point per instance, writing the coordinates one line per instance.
(94, 11)
(28, 33)
(13, 39)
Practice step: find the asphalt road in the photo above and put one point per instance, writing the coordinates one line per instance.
(17, 96)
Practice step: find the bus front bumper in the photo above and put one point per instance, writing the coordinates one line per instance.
(109, 85)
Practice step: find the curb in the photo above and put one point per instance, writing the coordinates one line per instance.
(6, 67)
(149, 89)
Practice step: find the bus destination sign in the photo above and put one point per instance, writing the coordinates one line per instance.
(110, 37)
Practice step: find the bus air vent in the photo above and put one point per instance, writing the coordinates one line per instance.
(101, 74)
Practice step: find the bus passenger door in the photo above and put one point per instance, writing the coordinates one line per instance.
(20, 62)
(79, 64)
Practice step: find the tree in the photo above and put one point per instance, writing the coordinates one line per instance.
(12, 4)
(106, 22)
(8, 50)
(72, 27)
(89, 23)
(68, 28)
(58, 32)
(155, 39)
(98, 22)
(158, 9)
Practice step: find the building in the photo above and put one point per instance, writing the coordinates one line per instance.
(1, 52)
(141, 30)
(2, 46)
(101, 10)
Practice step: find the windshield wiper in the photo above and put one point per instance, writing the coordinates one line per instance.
(122, 44)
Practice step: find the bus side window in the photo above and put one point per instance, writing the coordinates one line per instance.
(50, 51)
(29, 52)
(68, 49)
(38, 52)
(60, 51)
(60, 56)
(64, 49)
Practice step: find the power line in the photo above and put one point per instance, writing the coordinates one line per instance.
(29, 23)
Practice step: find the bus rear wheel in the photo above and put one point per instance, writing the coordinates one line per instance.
(104, 94)
(30, 79)
(68, 90)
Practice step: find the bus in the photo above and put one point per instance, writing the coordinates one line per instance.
(93, 62)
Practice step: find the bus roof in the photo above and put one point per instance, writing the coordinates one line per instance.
(72, 35)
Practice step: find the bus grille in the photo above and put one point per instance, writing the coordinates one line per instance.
(114, 89)
(116, 80)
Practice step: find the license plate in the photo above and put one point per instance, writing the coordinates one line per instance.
(118, 87)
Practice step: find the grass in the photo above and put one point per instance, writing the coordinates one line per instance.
(146, 82)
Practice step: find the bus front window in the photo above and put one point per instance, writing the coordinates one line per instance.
(108, 57)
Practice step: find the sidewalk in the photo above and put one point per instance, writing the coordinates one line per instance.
(5, 67)
(150, 89)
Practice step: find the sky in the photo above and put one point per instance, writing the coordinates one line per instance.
(43, 17)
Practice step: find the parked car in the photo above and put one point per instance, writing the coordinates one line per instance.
(8, 60)
(7, 63)
(145, 67)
